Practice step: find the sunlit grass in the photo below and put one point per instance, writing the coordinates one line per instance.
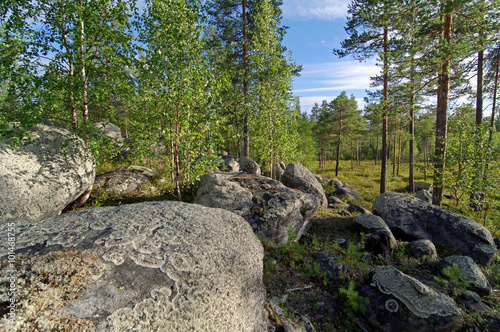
(365, 179)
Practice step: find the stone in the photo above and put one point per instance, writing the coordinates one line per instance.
(125, 180)
(111, 130)
(329, 265)
(470, 273)
(411, 219)
(43, 177)
(353, 208)
(420, 186)
(424, 195)
(155, 266)
(398, 302)
(424, 247)
(336, 202)
(347, 192)
(378, 244)
(249, 166)
(374, 225)
(269, 206)
(472, 302)
(229, 164)
(297, 176)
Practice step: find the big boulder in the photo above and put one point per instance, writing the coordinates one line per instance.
(40, 178)
(125, 180)
(411, 218)
(266, 204)
(299, 177)
(398, 302)
(157, 266)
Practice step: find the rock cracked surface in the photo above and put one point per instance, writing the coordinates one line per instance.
(203, 266)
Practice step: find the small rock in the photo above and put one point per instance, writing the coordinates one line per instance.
(424, 247)
(472, 274)
(353, 208)
(374, 225)
(249, 166)
(299, 177)
(230, 164)
(348, 193)
(398, 302)
(424, 195)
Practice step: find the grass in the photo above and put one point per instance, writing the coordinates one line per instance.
(365, 179)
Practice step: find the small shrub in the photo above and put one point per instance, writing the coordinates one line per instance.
(352, 299)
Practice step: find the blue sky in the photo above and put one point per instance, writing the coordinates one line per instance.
(316, 27)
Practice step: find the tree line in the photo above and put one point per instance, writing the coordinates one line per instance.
(187, 77)
(428, 50)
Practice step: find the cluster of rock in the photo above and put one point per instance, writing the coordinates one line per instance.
(203, 261)
(398, 301)
(203, 265)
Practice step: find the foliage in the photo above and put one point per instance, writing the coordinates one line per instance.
(352, 299)
(473, 165)
(453, 283)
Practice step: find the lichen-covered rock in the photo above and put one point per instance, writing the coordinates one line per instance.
(269, 207)
(125, 180)
(398, 302)
(41, 178)
(411, 218)
(299, 177)
(469, 273)
(375, 225)
(330, 265)
(157, 266)
(249, 166)
(423, 247)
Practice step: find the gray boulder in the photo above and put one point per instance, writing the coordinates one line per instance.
(249, 166)
(157, 266)
(424, 195)
(299, 177)
(424, 247)
(411, 218)
(269, 207)
(398, 302)
(374, 225)
(125, 180)
(41, 178)
(111, 130)
(229, 164)
(470, 273)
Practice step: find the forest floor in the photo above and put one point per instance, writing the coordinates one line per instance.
(296, 286)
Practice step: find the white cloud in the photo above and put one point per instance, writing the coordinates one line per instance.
(315, 9)
(325, 81)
